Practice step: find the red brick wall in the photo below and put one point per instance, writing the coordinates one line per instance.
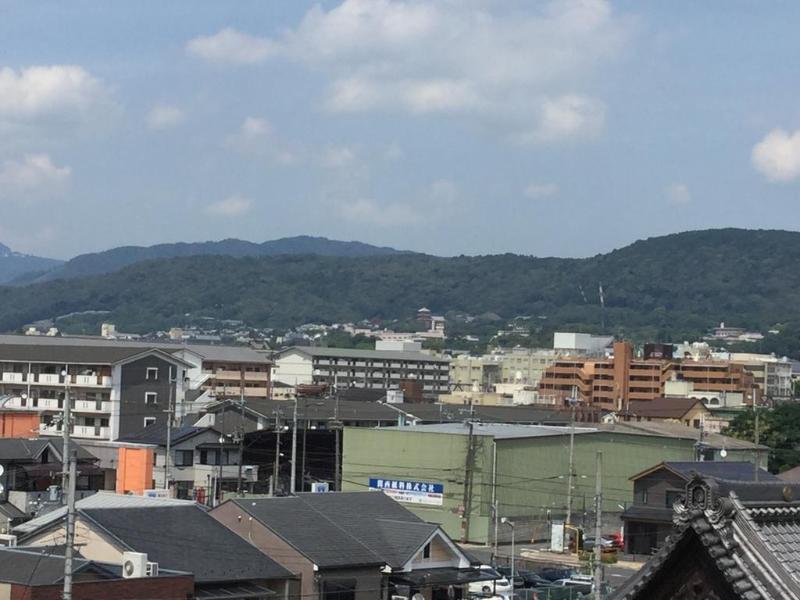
(179, 587)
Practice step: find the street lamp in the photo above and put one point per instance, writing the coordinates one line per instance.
(510, 523)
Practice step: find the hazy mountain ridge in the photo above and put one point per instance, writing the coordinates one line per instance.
(14, 264)
(108, 261)
(659, 288)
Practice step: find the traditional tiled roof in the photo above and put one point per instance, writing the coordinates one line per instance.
(748, 531)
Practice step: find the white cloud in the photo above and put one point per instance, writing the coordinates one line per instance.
(678, 193)
(252, 132)
(538, 191)
(519, 70)
(164, 117)
(62, 91)
(232, 206)
(32, 175)
(369, 212)
(777, 156)
(336, 157)
(433, 203)
(229, 46)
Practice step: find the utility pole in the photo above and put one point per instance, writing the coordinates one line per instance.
(241, 440)
(755, 427)
(571, 474)
(337, 451)
(468, 468)
(65, 433)
(170, 416)
(598, 527)
(70, 527)
(293, 477)
(276, 464)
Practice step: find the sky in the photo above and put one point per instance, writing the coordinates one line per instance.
(551, 128)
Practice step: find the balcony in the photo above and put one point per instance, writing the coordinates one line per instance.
(13, 377)
(91, 406)
(203, 473)
(227, 375)
(94, 432)
(255, 376)
(48, 379)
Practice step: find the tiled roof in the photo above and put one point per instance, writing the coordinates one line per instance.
(23, 450)
(664, 408)
(344, 529)
(102, 499)
(34, 566)
(187, 538)
(750, 532)
(157, 434)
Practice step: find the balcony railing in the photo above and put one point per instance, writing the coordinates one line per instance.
(92, 406)
(13, 377)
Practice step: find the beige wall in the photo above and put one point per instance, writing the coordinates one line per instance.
(92, 545)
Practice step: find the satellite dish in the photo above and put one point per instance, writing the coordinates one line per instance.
(2, 489)
(2, 470)
(723, 453)
(417, 596)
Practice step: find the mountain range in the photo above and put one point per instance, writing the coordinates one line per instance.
(667, 288)
(20, 269)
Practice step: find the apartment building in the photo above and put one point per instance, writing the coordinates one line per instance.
(118, 387)
(612, 383)
(111, 390)
(382, 368)
(522, 366)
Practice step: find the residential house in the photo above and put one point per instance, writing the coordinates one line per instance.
(182, 538)
(38, 574)
(202, 460)
(360, 545)
(731, 540)
(690, 412)
(31, 473)
(648, 521)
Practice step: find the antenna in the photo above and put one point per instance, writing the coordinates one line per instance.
(602, 306)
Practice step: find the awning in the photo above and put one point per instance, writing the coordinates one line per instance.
(232, 591)
(442, 576)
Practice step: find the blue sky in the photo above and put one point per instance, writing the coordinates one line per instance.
(561, 128)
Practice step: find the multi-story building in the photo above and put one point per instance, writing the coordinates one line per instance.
(118, 387)
(771, 374)
(613, 382)
(111, 390)
(522, 366)
(371, 369)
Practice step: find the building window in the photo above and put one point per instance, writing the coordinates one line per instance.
(184, 458)
(339, 589)
(150, 398)
(149, 421)
(426, 551)
(644, 496)
(152, 373)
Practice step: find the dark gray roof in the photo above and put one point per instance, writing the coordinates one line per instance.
(32, 566)
(322, 409)
(60, 354)
(157, 434)
(11, 512)
(186, 538)
(736, 471)
(345, 528)
(28, 450)
(748, 531)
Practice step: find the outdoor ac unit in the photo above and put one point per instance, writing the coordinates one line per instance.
(134, 564)
(8, 540)
(152, 569)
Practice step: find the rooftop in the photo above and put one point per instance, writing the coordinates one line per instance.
(316, 351)
(495, 430)
(665, 408)
(187, 538)
(731, 470)
(344, 529)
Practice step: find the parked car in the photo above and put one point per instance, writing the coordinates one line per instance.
(532, 579)
(606, 544)
(556, 573)
(618, 540)
(505, 570)
(500, 587)
(581, 585)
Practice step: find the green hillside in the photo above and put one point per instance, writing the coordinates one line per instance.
(662, 288)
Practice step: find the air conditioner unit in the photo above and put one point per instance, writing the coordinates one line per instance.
(152, 569)
(134, 564)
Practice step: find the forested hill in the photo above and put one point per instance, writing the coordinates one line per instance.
(661, 288)
(13, 264)
(108, 261)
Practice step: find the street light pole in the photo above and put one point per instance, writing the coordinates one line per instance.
(506, 521)
(293, 477)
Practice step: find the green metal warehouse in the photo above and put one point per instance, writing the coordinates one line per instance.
(522, 469)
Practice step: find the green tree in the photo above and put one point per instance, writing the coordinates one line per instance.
(779, 429)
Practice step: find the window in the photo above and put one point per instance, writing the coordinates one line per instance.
(152, 373)
(643, 496)
(672, 496)
(426, 551)
(339, 589)
(149, 421)
(150, 398)
(184, 458)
